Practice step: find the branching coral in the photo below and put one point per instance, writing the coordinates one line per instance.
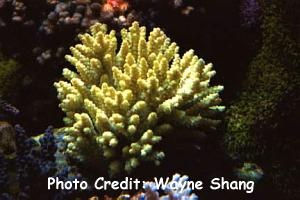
(125, 100)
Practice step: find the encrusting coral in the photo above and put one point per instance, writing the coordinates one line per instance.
(123, 101)
(257, 125)
(272, 76)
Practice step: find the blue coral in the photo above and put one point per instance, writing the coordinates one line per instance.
(34, 161)
(47, 152)
(27, 162)
(38, 159)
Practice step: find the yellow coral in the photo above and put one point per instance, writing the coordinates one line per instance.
(132, 96)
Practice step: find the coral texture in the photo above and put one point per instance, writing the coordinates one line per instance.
(36, 159)
(271, 78)
(123, 101)
(257, 128)
(8, 69)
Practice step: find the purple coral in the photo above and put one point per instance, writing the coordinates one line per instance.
(250, 13)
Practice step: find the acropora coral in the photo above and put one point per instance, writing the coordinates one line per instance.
(121, 102)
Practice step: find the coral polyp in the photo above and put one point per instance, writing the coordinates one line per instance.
(125, 101)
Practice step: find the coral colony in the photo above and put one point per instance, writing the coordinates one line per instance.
(136, 94)
(130, 107)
